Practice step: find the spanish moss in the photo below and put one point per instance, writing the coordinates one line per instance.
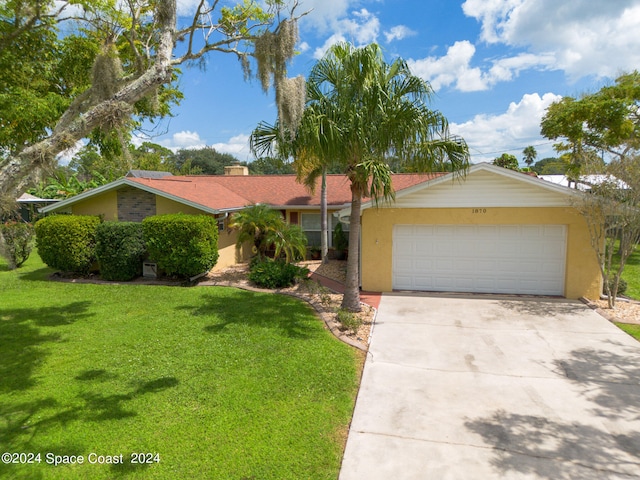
(290, 99)
(106, 73)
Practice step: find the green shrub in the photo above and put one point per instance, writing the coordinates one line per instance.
(16, 242)
(182, 245)
(269, 233)
(268, 273)
(120, 250)
(622, 286)
(348, 320)
(340, 238)
(67, 242)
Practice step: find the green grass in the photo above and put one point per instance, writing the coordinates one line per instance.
(632, 275)
(631, 329)
(220, 383)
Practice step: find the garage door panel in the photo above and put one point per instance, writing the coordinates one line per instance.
(423, 283)
(404, 264)
(480, 258)
(423, 264)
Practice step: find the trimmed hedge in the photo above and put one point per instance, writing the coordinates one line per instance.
(67, 242)
(182, 245)
(120, 250)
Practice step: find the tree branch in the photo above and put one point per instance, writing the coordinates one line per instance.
(18, 171)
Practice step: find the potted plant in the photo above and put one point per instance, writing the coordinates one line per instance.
(314, 252)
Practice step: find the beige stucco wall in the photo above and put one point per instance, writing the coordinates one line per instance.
(582, 276)
(229, 254)
(105, 204)
(165, 206)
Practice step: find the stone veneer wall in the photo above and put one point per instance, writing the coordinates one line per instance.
(135, 205)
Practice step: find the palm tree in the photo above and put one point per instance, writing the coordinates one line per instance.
(530, 155)
(257, 224)
(360, 113)
(267, 230)
(367, 112)
(308, 149)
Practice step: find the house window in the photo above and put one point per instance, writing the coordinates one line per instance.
(310, 223)
(311, 226)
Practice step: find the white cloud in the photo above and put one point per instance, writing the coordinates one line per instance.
(455, 68)
(183, 140)
(303, 47)
(398, 33)
(588, 37)
(363, 28)
(187, 139)
(186, 8)
(323, 14)
(237, 146)
(488, 136)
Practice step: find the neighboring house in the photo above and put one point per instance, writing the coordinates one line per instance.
(584, 182)
(493, 231)
(29, 205)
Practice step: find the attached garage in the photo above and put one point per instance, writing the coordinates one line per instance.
(493, 231)
(521, 259)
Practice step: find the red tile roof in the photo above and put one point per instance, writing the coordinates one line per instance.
(230, 192)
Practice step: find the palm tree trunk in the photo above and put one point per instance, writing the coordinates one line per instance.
(324, 242)
(351, 298)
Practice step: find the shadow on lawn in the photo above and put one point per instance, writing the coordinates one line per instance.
(601, 441)
(40, 275)
(22, 341)
(100, 406)
(239, 307)
(21, 423)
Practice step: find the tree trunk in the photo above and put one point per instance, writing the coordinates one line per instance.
(18, 171)
(324, 241)
(351, 298)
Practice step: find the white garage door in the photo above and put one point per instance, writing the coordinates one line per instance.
(527, 259)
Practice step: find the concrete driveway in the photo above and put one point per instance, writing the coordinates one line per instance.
(489, 387)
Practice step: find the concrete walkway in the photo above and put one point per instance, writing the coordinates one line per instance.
(493, 388)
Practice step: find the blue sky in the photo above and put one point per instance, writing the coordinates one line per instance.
(495, 65)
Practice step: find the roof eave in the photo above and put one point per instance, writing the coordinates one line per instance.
(131, 183)
(449, 177)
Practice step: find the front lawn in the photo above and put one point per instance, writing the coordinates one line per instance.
(631, 274)
(218, 382)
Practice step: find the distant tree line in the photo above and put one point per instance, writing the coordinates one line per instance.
(88, 169)
(545, 166)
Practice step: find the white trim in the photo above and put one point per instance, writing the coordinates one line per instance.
(127, 182)
(459, 177)
(337, 208)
